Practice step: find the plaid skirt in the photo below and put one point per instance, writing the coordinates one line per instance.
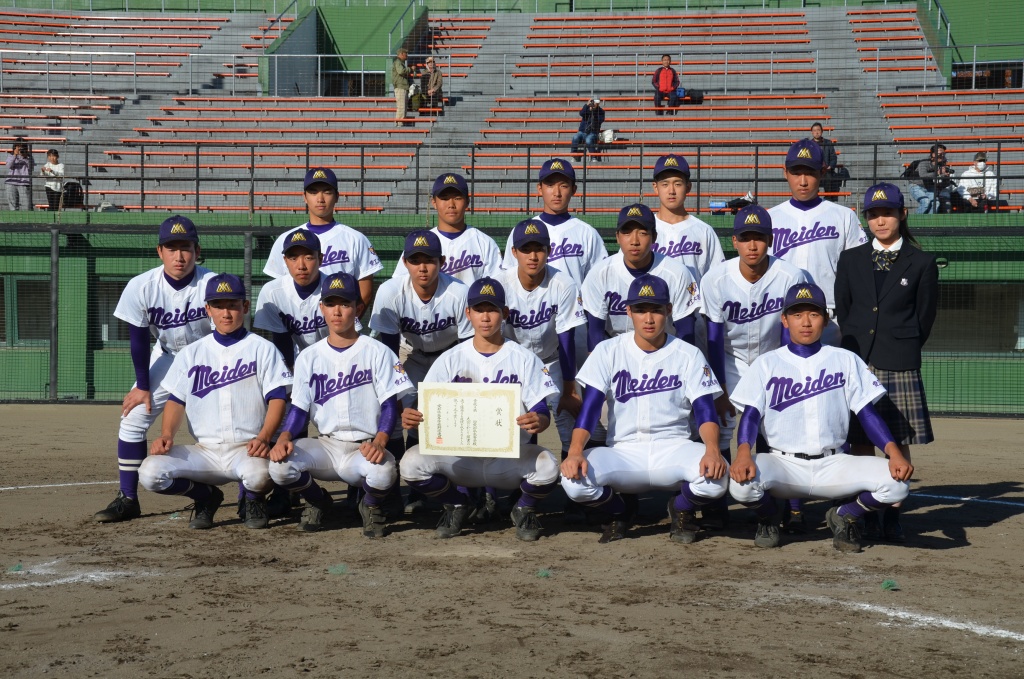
(903, 408)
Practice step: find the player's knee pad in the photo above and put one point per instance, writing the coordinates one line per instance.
(547, 470)
(745, 493)
(284, 473)
(136, 423)
(255, 474)
(155, 473)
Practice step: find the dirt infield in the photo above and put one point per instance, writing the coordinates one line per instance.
(151, 598)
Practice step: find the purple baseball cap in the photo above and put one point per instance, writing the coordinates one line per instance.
(178, 228)
(342, 285)
(557, 166)
(422, 241)
(648, 289)
(752, 218)
(486, 290)
(301, 238)
(320, 175)
(671, 163)
(450, 180)
(225, 286)
(530, 231)
(805, 153)
(804, 293)
(883, 195)
(637, 213)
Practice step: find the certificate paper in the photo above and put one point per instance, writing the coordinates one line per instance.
(469, 419)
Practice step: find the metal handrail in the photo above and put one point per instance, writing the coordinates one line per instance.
(401, 22)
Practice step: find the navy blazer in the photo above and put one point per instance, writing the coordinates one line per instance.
(887, 328)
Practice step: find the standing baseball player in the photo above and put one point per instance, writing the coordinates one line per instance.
(488, 357)
(544, 311)
(164, 304)
(232, 386)
(348, 384)
(651, 382)
(800, 397)
(469, 253)
(810, 233)
(605, 288)
(344, 248)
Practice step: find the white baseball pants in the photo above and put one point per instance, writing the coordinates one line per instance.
(538, 466)
(327, 459)
(212, 463)
(829, 478)
(137, 422)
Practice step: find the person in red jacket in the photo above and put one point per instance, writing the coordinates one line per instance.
(666, 85)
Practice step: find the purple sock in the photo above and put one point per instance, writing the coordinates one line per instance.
(241, 492)
(610, 501)
(130, 455)
(199, 492)
(493, 492)
(533, 494)
(373, 496)
(687, 500)
(796, 504)
(864, 503)
(441, 489)
(253, 495)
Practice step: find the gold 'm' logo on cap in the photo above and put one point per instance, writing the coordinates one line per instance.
(531, 229)
(557, 165)
(224, 287)
(319, 174)
(646, 291)
(805, 293)
(752, 218)
(634, 212)
(671, 162)
(337, 284)
(421, 241)
(879, 195)
(297, 236)
(487, 290)
(804, 153)
(450, 179)
(177, 228)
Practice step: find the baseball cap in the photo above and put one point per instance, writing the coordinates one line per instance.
(320, 175)
(301, 238)
(648, 289)
(530, 231)
(636, 213)
(425, 242)
(557, 166)
(804, 153)
(486, 290)
(225, 286)
(178, 228)
(450, 180)
(804, 293)
(671, 163)
(342, 285)
(752, 218)
(883, 195)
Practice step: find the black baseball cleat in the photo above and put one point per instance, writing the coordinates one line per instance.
(123, 508)
(794, 523)
(486, 511)
(312, 519)
(279, 503)
(202, 512)
(684, 525)
(451, 521)
(615, 530)
(527, 524)
(373, 520)
(256, 513)
(845, 533)
(872, 527)
(892, 529)
(767, 535)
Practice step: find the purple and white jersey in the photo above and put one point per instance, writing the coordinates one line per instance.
(175, 318)
(649, 395)
(343, 389)
(512, 364)
(429, 326)
(468, 256)
(691, 241)
(343, 248)
(805, 403)
(281, 309)
(576, 248)
(224, 387)
(605, 290)
(750, 312)
(813, 239)
(536, 317)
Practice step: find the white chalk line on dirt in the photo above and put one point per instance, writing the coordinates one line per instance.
(61, 485)
(965, 499)
(51, 568)
(921, 619)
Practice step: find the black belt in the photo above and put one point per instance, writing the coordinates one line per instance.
(805, 456)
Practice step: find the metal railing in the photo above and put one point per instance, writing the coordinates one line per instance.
(400, 24)
(7, 54)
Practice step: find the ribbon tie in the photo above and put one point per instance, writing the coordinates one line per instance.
(883, 259)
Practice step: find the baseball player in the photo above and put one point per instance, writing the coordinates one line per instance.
(232, 386)
(469, 253)
(544, 311)
(809, 232)
(605, 288)
(289, 307)
(344, 248)
(650, 382)
(488, 357)
(348, 384)
(164, 304)
(800, 397)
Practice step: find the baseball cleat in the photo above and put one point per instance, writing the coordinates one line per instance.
(767, 535)
(123, 508)
(256, 513)
(413, 507)
(486, 512)
(451, 521)
(373, 520)
(312, 519)
(615, 530)
(714, 519)
(795, 523)
(527, 524)
(872, 527)
(202, 512)
(279, 503)
(892, 530)
(845, 533)
(684, 525)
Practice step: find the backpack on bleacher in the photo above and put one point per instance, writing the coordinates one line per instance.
(696, 96)
(911, 171)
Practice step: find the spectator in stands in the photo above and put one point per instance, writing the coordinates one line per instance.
(829, 181)
(432, 86)
(19, 176)
(977, 188)
(591, 120)
(933, 192)
(53, 170)
(400, 79)
(666, 86)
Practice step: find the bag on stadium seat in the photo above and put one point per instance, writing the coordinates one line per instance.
(681, 92)
(73, 195)
(696, 97)
(607, 136)
(911, 171)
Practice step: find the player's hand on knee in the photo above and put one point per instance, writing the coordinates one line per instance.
(135, 398)
(373, 452)
(532, 423)
(743, 470)
(161, 446)
(281, 450)
(411, 418)
(724, 408)
(713, 465)
(574, 467)
(571, 403)
(257, 447)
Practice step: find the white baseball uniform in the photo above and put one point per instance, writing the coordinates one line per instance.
(281, 308)
(536, 318)
(468, 255)
(344, 249)
(342, 390)
(224, 388)
(805, 405)
(510, 364)
(649, 398)
(691, 241)
(576, 248)
(176, 319)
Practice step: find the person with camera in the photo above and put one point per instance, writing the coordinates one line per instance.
(19, 176)
(591, 120)
(977, 189)
(933, 192)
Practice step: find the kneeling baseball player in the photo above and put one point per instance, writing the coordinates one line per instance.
(349, 384)
(800, 397)
(488, 357)
(651, 381)
(232, 386)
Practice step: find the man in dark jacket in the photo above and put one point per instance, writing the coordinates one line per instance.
(591, 119)
(666, 85)
(932, 193)
(829, 182)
